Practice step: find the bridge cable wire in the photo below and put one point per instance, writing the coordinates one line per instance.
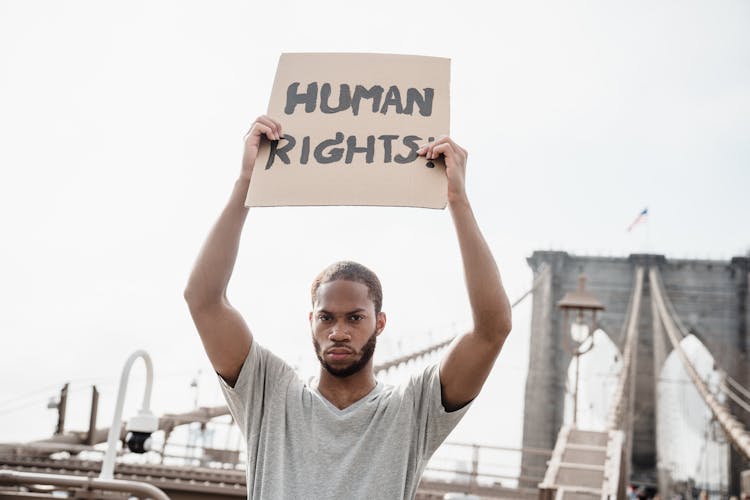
(733, 396)
(623, 396)
(737, 386)
(734, 430)
(542, 272)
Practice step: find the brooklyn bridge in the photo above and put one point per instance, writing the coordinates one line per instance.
(672, 338)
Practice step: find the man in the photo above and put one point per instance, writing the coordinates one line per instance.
(345, 436)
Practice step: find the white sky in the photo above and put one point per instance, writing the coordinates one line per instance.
(122, 125)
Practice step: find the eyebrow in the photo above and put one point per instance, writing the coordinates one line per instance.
(358, 310)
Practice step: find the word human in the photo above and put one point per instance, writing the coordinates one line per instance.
(341, 148)
(381, 100)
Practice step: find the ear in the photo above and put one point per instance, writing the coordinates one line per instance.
(380, 322)
(310, 318)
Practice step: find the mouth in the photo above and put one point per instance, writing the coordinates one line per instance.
(338, 353)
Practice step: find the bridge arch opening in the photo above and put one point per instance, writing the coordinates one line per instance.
(692, 450)
(596, 382)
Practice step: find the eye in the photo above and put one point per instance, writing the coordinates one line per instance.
(324, 317)
(356, 317)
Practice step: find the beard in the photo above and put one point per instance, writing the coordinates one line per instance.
(365, 355)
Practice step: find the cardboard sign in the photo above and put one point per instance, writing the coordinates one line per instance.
(352, 126)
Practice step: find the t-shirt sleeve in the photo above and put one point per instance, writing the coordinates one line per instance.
(262, 377)
(434, 421)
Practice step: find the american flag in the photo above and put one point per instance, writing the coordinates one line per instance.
(642, 217)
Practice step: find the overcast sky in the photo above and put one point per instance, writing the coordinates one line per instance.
(122, 125)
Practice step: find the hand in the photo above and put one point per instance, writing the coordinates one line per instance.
(262, 125)
(455, 164)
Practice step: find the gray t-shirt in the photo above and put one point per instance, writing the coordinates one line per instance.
(300, 446)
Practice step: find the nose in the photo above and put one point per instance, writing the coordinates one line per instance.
(339, 333)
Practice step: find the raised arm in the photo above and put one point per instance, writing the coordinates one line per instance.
(224, 333)
(469, 358)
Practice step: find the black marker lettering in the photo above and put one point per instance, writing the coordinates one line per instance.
(392, 98)
(424, 102)
(387, 140)
(360, 92)
(351, 149)
(345, 98)
(411, 142)
(280, 152)
(293, 97)
(334, 154)
(305, 155)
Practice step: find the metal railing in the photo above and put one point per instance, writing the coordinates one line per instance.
(474, 464)
(141, 490)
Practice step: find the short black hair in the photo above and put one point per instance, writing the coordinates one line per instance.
(350, 271)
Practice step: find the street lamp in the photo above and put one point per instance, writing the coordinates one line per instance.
(579, 311)
(139, 427)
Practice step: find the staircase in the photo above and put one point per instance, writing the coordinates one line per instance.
(585, 465)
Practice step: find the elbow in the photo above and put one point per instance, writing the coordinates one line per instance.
(197, 300)
(505, 328)
(505, 323)
(191, 298)
(501, 330)
(496, 331)
(502, 326)
(189, 295)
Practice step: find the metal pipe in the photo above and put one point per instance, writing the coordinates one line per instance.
(142, 489)
(575, 394)
(108, 465)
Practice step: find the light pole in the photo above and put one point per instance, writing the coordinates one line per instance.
(141, 426)
(576, 306)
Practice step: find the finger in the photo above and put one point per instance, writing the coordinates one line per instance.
(277, 123)
(426, 150)
(268, 122)
(260, 129)
(457, 150)
(445, 148)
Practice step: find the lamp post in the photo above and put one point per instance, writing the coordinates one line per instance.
(140, 427)
(576, 306)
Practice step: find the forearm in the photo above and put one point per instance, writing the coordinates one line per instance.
(213, 269)
(489, 304)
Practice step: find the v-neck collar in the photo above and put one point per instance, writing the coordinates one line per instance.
(352, 407)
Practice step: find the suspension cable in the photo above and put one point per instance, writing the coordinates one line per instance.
(624, 380)
(543, 271)
(737, 386)
(734, 430)
(733, 396)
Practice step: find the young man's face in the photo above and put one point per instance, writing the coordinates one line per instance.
(344, 326)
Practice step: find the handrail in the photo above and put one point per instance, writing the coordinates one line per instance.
(142, 489)
(474, 474)
(732, 427)
(530, 451)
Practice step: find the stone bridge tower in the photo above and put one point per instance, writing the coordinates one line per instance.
(712, 298)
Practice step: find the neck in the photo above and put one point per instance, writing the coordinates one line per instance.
(342, 392)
